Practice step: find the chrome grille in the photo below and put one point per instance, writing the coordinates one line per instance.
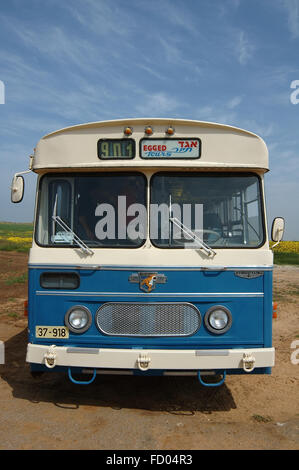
(148, 319)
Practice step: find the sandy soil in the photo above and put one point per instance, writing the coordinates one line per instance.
(247, 412)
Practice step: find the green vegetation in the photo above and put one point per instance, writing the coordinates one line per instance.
(15, 236)
(262, 419)
(17, 229)
(286, 252)
(17, 279)
(286, 258)
(13, 315)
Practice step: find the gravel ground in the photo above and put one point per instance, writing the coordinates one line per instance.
(144, 413)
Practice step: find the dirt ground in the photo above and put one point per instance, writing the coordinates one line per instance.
(144, 413)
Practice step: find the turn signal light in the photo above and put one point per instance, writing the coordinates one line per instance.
(26, 308)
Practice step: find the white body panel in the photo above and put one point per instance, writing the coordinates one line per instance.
(148, 256)
(222, 146)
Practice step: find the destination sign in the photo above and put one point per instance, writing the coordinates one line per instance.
(110, 149)
(171, 148)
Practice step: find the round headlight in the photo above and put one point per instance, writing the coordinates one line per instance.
(78, 319)
(218, 319)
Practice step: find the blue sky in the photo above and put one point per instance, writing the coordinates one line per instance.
(229, 61)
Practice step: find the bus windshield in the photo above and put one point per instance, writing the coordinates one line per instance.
(111, 210)
(222, 209)
(99, 208)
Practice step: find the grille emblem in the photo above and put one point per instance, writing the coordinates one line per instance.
(249, 274)
(147, 281)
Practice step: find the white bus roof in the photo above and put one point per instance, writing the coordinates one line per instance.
(222, 146)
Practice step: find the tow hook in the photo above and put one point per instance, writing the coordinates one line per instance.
(248, 362)
(212, 384)
(50, 357)
(143, 362)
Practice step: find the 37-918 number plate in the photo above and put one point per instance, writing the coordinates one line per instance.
(51, 332)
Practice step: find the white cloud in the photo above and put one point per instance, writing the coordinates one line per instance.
(234, 102)
(179, 17)
(60, 46)
(216, 113)
(152, 71)
(172, 52)
(292, 9)
(244, 49)
(102, 17)
(157, 104)
(263, 130)
(235, 3)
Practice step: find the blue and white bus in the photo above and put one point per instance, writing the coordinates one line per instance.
(150, 252)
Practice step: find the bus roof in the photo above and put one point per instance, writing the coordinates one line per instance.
(222, 146)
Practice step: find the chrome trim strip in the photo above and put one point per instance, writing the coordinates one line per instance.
(83, 350)
(212, 352)
(108, 371)
(151, 268)
(149, 295)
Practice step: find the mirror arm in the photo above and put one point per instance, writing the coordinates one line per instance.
(22, 173)
(275, 244)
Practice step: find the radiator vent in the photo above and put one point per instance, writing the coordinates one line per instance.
(148, 319)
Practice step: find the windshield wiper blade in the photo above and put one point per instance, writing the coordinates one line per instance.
(75, 237)
(202, 245)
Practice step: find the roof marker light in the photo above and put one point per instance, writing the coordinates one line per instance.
(170, 130)
(128, 130)
(148, 130)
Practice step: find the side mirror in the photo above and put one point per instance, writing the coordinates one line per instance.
(277, 229)
(17, 188)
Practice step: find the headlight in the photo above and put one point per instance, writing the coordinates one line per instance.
(78, 319)
(218, 319)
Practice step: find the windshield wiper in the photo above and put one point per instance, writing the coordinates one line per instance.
(202, 245)
(187, 231)
(74, 237)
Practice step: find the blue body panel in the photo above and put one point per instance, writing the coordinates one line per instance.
(249, 300)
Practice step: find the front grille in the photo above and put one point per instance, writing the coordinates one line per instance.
(148, 319)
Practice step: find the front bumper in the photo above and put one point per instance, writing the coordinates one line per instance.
(150, 359)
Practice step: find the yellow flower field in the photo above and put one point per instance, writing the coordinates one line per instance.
(286, 247)
(15, 237)
(19, 239)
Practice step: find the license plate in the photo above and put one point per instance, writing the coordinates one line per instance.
(51, 332)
